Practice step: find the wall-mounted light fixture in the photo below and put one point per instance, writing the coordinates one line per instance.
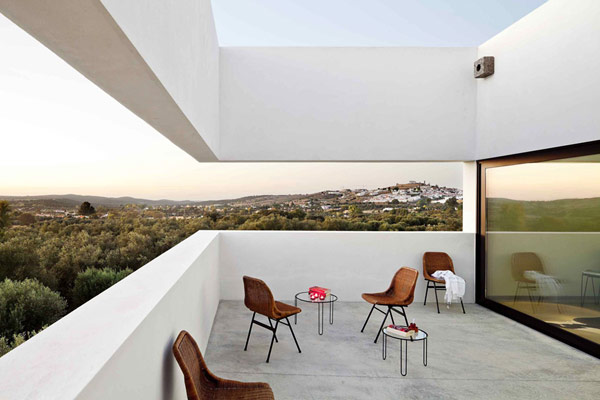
(484, 67)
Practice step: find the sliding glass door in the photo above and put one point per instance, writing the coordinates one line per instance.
(539, 247)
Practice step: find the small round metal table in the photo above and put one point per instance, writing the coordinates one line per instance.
(420, 336)
(304, 297)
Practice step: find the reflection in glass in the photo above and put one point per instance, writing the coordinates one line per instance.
(543, 241)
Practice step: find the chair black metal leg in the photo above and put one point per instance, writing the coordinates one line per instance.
(392, 316)
(516, 292)
(368, 316)
(585, 290)
(462, 305)
(530, 298)
(273, 339)
(426, 291)
(436, 297)
(277, 341)
(382, 324)
(293, 335)
(249, 331)
(581, 290)
(404, 314)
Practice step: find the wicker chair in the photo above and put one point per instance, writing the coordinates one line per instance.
(259, 299)
(437, 261)
(521, 262)
(201, 384)
(401, 293)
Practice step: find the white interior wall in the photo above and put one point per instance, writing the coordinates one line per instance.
(350, 263)
(350, 103)
(545, 90)
(178, 41)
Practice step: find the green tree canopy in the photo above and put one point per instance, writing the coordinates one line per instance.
(86, 208)
(4, 214)
(27, 306)
(93, 281)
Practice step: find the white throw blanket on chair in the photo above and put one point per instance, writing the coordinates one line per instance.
(455, 285)
(548, 285)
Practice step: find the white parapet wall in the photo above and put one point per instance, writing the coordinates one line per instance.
(118, 345)
(349, 263)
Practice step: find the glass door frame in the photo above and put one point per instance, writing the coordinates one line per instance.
(582, 149)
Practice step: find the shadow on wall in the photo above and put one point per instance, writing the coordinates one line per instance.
(168, 368)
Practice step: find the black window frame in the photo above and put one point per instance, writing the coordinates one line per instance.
(577, 150)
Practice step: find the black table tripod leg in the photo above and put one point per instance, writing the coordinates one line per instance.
(331, 313)
(404, 343)
(320, 318)
(384, 347)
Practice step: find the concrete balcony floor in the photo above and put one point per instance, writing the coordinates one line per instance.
(477, 355)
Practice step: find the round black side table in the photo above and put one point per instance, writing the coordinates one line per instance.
(420, 336)
(304, 297)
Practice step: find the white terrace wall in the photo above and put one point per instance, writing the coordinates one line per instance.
(545, 91)
(118, 345)
(348, 262)
(352, 103)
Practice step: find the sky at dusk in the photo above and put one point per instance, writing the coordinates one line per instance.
(545, 181)
(62, 134)
(438, 23)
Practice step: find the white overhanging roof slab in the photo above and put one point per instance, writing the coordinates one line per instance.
(87, 36)
(162, 61)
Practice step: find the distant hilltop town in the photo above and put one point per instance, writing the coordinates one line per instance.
(410, 192)
(409, 195)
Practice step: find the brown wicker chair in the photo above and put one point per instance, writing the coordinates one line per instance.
(401, 293)
(201, 384)
(259, 299)
(437, 261)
